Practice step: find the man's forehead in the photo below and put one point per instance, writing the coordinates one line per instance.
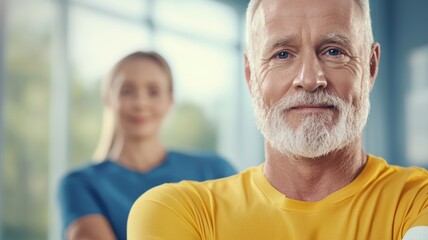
(270, 9)
(278, 17)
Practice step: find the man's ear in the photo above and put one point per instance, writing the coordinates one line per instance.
(248, 72)
(374, 63)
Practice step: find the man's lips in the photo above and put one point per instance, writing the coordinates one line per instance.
(316, 106)
(313, 107)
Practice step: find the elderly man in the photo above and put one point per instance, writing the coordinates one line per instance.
(310, 65)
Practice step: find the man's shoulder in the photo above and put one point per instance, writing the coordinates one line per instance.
(187, 208)
(399, 178)
(406, 191)
(409, 173)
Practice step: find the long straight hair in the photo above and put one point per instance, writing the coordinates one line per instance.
(109, 137)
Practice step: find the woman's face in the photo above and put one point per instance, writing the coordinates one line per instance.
(141, 98)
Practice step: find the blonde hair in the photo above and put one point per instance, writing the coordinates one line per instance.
(108, 136)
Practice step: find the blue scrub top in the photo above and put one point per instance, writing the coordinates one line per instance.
(109, 189)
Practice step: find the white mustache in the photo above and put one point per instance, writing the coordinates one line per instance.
(310, 98)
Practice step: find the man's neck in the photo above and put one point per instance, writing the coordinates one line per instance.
(312, 180)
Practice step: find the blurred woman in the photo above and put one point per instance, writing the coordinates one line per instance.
(96, 199)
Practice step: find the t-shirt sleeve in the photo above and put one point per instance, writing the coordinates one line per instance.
(418, 215)
(419, 228)
(421, 219)
(165, 212)
(76, 199)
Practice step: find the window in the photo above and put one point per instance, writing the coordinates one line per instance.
(97, 41)
(26, 103)
(416, 99)
(127, 8)
(216, 22)
(56, 53)
(205, 77)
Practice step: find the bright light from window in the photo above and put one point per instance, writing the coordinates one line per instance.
(417, 99)
(209, 19)
(203, 74)
(98, 41)
(129, 8)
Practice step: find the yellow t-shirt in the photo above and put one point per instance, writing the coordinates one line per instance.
(383, 202)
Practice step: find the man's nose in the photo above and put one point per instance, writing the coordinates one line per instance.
(310, 77)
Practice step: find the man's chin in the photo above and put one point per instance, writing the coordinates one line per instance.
(311, 155)
(306, 122)
(304, 153)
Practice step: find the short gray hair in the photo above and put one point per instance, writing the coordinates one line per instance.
(253, 5)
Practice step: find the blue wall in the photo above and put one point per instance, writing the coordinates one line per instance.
(400, 26)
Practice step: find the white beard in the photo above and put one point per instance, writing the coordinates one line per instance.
(317, 134)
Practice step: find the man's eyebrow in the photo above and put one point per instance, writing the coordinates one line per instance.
(338, 39)
(281, 42)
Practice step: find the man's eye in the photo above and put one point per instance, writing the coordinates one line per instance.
(334, 52)
(282, 55)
